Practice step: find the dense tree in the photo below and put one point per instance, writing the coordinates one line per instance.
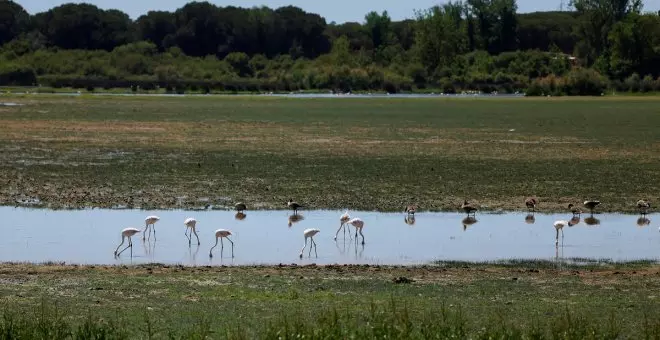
(599, 17)
(441, 35)
(464, 44)
(14, 20)
(156, 26)
(84, 26)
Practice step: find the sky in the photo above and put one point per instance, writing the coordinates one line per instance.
(339, 11)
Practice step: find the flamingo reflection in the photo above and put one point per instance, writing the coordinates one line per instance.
(240, 216)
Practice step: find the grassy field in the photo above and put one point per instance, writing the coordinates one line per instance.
(371, 154)
(459, 301)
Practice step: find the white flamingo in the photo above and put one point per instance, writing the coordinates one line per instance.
(559, 225)
(191, 224)
(342, 220)
(358, 224)
(309, 234)
(150, 221)
(220, 234)
(126, 233)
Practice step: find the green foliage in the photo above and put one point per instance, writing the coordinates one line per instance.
(472, 44)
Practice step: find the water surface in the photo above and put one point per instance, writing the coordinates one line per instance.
(265, 237)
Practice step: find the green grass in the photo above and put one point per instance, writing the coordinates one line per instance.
(156, 301)
(371, 154)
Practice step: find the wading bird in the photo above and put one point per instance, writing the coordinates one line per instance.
(309, 234)
(559, 225)
(150, 221)
(358, 224)
(469, 208)
(591, 205)
(240, 207)
(127, 233)
(574, 209)
(643, 206)
(191, 224)
(293, 206)
(342, 224)
(531, 203)
(220, 234)
(411, 210)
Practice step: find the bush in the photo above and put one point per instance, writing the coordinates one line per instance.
(648, 83)
(585, 82)
(15, 75)
(634, 83)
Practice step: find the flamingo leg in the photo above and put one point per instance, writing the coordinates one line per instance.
(360, 235)
(232, 246)
(340, 228)
(153, 226)
(144, 233)
(310, 248)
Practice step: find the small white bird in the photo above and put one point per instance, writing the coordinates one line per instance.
(559, 225)
(358, 224)
(309, 234)
(126, 233)
(191, 224)
(342, 221)
(220, 234)
(150, 221)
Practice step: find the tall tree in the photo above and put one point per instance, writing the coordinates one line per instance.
(599, 17)
(441, 35)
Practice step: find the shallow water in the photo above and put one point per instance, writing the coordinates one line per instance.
(265, 237)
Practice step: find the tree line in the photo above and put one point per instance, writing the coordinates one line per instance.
(459, 45)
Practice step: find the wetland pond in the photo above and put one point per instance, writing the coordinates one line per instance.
(273, 237)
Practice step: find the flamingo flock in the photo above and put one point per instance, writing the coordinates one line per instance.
(346, 221)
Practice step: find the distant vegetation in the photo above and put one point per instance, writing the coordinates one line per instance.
(482, 45)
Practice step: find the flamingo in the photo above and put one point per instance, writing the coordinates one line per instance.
(240, 207)
(150, 221)
(358, 224)
(126, 233)
(574, 209)
(220, 234)
(342, 220)
(643, 206)
(293, 206)
(591, 205)
(309, 233)
(468, 208)
(531, 203)
(559, 225)
(191, 224)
